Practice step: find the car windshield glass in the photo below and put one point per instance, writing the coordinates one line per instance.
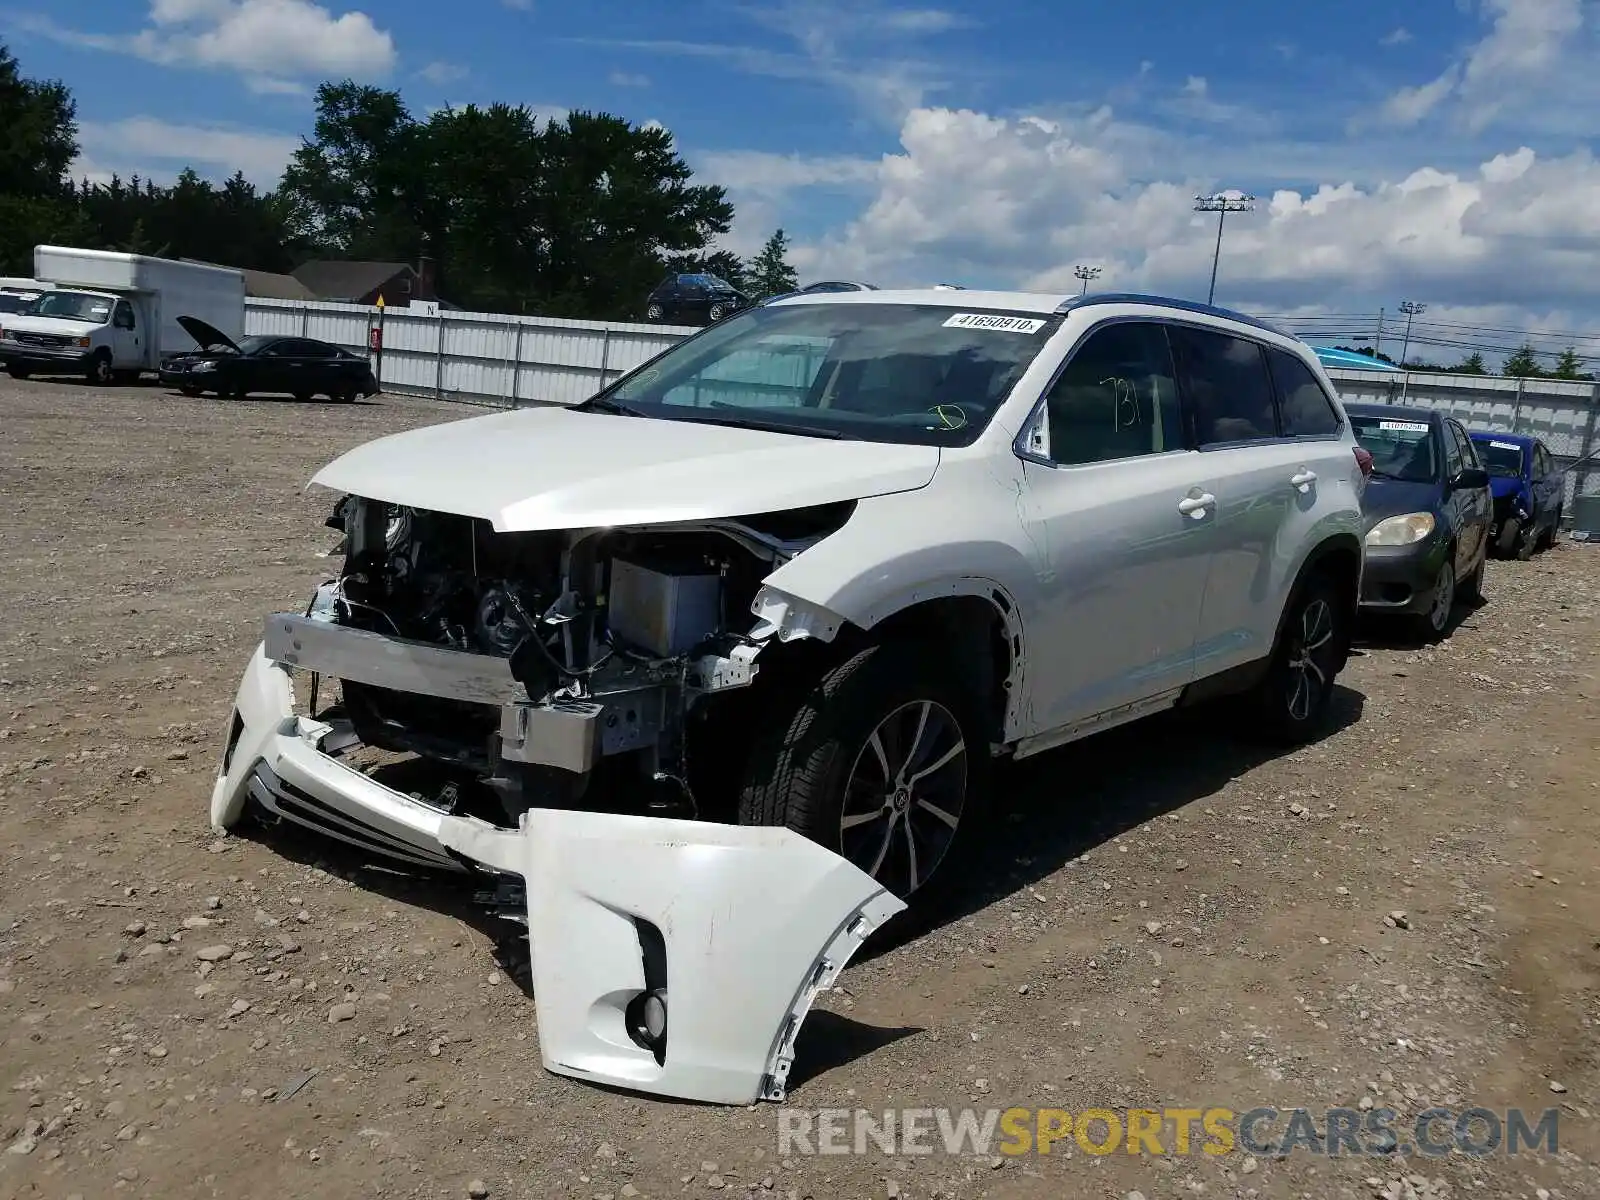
(922, 374)
(77, 306)
(254, 343)
(1500, 458)
(1399, 449)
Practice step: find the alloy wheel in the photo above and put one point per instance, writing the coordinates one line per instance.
(1311, 651)
(904, 796)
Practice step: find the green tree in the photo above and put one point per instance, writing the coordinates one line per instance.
(1569, 365)
(769, 272)
(1523, 364)
(1472, 364)
(575, 218)
(38, 141)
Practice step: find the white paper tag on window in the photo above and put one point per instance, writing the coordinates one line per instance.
(994, 321)
(1505, 446)
(1404, 426)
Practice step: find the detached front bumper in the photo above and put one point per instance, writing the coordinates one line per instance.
(730, 931)
(286, 765)
(1400, 579)
(733, 930)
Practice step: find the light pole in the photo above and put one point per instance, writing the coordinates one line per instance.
(1411, 308)
(1085, 274)
(1222, 204)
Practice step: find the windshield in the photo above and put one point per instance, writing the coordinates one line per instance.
(1399, 449)
(707, 281)
(77, 306)
(1500, 458)
(921, 374)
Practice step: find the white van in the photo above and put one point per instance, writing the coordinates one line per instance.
(111, 316)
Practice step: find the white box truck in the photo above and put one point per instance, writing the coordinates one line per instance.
(110, 316)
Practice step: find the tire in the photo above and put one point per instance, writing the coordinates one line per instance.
(1528, 543)
(1548, 540)
(823, 765)
(305, 397)
(101, 373)
(1292, 700)
(717, 312)
(344, 397)
(1435, 623)
(18, 372)
(189, 391)
(1507, 537)
(655, 313)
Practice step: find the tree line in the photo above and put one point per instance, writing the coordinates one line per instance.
(1522, 363)
(579, 217)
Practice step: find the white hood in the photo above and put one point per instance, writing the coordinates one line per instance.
(553, 469)
(61, 326)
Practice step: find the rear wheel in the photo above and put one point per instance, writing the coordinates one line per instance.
(718, 311)
(885, 762)
(347, 396)
(1292, 700)
(655, 313)
(18, 372)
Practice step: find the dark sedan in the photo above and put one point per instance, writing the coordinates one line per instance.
(263, 363)
(1427, 514)
(693, 299)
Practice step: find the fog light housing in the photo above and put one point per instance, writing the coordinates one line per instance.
(647, 1019)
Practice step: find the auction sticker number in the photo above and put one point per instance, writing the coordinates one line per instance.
(994, 321)
(1403, 426)
(1505, 445)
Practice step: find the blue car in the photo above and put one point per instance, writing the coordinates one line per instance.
(1528, 488)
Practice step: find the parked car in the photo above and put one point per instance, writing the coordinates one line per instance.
(823, 287)
(694, 299)
(807, 569)
(1427, 515)
(1529, 491)
(299, 367)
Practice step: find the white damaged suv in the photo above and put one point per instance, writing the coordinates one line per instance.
(739, 637)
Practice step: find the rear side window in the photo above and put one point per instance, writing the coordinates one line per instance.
(1225, 381)
(1304, 406)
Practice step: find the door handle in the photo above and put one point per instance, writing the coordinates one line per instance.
(1303, 479)
(1196, 506)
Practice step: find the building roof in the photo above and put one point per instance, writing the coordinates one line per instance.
(266, 284)
(336, 279)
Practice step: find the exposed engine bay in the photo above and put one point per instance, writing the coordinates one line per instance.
(611, 639)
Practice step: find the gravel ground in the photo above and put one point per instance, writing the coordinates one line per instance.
(1407, 911)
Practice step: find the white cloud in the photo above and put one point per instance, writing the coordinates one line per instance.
(1395, 37)
(518, 5)
(1019, 201)
(157, 149)
(441, 73)
(272, 40)
(628, 80)
(1535, 55)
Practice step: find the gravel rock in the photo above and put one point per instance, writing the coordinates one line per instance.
(478, 1190)
(214, 954)
(343, 1011)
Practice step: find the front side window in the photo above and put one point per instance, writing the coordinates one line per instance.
(1305, 407)
(1469, 455)
(914, 373)
(1453, 459)
(1225, 381)
(1405, 450)
(1115, 398)
(1500, 457)
(124, 315)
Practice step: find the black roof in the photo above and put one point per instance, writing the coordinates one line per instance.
(1428, 416)
(1192, 306)
(337, 279)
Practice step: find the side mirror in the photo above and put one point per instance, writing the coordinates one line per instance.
(1470, 477)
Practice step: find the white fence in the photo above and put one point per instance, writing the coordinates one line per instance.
(489, 358)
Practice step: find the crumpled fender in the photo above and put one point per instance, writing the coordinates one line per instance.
(756, 921)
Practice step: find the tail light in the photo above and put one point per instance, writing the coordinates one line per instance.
(1364, 461)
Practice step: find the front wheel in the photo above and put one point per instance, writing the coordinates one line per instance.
(1293, 698)
(189, 391)
(718, 311)
(18, 372)
(101, 372)
(884, 762)
(1434, 623)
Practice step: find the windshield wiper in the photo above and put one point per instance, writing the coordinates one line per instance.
(607, 405)
(702, 417)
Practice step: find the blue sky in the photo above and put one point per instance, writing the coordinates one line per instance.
(1440, 149)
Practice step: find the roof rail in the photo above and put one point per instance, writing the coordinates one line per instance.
(1073, 303)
